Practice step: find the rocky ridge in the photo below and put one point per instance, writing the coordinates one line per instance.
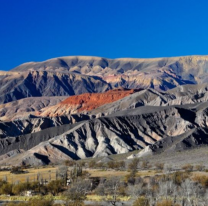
(67, 76)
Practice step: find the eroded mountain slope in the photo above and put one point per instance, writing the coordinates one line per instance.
(24, 107)
(67, 76)
(18, 85)
(108, 135)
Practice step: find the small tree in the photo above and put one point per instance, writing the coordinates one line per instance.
(76, 172)
(133, 164)
(130, 178)
(62, 173)
(55, 186)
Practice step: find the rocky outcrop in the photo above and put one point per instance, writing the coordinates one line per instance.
(86, 102)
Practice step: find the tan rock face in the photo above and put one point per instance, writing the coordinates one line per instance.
(24, 107)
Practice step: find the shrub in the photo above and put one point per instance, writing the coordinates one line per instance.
(199, 167)
(92, 164)
(78, 192)
(145, 165)
(6, 189)
(69, 163)
(40, 202)
(55, 186)
(179, 177)
(188, 167)
(17, 170)
(111, 165)
(165, 203)
(133, 164)
(159, 166)
(202, 179)
(141, 201)
(33, 202)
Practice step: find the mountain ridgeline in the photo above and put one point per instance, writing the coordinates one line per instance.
(80, 107)
(67, 76)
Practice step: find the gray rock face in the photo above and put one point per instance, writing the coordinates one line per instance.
(103, 136)
(191, 139)
(18, 85)
(138, 121)
(189, 95)
(32, 125)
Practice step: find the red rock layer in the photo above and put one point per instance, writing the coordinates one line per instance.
(89, 101)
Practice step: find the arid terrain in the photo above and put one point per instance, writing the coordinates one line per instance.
(97, 131)
(72, 108)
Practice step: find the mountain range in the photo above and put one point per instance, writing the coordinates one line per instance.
(80, 107)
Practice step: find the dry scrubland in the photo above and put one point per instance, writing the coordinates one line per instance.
(111, 181)
(30, 174)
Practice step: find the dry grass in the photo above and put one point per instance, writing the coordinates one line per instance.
(113, 173)
(196, 173)
(50, 173)
(45, 173)
(100, 198)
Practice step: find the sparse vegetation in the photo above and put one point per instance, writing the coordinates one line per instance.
(112, 181)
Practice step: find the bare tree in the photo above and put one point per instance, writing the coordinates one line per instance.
(78, 192)
(187, 190)
(167, 189)
(136, 190)
(111, 190)
(62, 173)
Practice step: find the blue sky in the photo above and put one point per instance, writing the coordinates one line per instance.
(36, 30)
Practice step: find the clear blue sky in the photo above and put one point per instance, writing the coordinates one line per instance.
(36, 30)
